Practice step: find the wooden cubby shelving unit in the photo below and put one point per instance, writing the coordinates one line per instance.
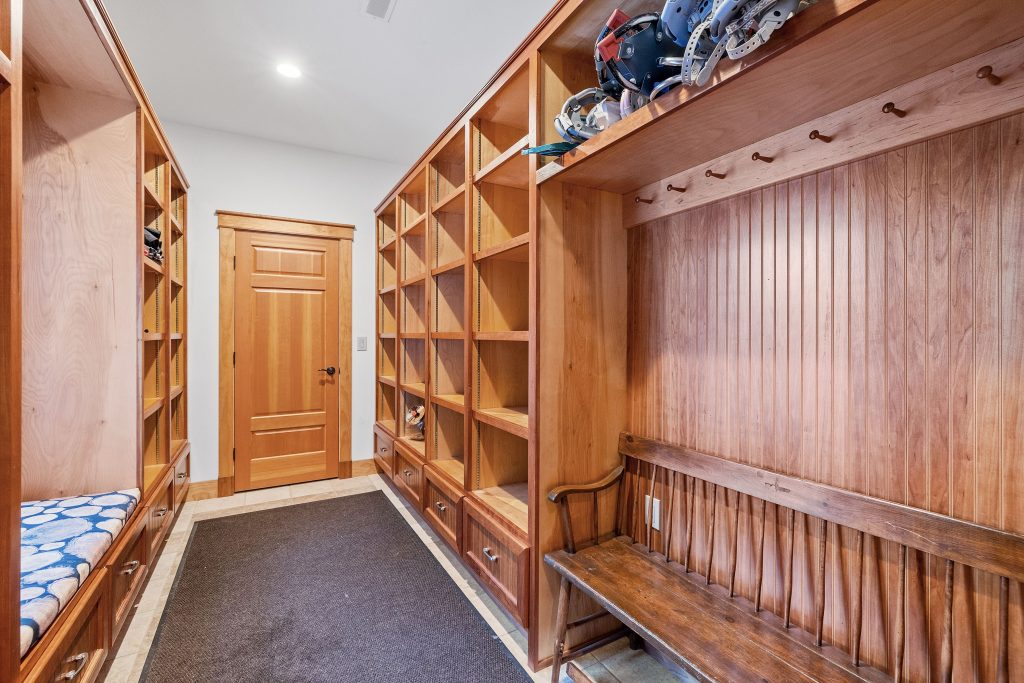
(164, 332)
(526, 261)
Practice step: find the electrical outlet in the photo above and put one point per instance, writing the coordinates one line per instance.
(652, 512)
(360, 343)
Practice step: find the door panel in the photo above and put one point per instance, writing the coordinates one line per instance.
(286, 331)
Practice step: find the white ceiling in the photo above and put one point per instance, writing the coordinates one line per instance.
(370, 88)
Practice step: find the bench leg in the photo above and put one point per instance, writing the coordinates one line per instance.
(561, 623)
(635, 641)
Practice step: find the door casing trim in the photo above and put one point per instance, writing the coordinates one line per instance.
(227, 223)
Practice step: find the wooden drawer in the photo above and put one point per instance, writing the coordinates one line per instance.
(384, 452)
(128, 568)
(498, 556)
(80, 643)
(442, 506)
(409, 476)
(181, 480)
(161, 513)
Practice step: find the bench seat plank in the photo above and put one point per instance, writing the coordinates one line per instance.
(713, 638)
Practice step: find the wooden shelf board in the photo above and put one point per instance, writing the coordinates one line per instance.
(151, 199)
(176, 391)
(453, 203)
(824, 45)
(413, 335)
(448, 267)
(451, 468)
(177, 281)
(152, 336)
(455, 336)
(390, 380)
(389, 245)
(387, 335)
(510, 336)
(419, 447)
(514, 419)
(456, 402)
(417, 227)
(151, 405)
(152, 474)
(152, 265)
(175, 336)
(510, 168)
(176, 224)
(511, 501)
(415, 388)
(390, 289)
(516, 249)
(415, 281)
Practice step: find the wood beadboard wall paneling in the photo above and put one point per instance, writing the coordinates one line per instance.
(864, 327)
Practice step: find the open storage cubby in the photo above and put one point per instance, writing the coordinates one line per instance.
(448, 443)
(155, 447)
(449, 302)
(177, 309)
(388, 321)
(177, 368)
(449, 236)
(501, 127)
(413, 205)
(387, 225)
(500, 472)
(154, 369)
(387, 409)
(414, 256)
(413, 311)
(448, 176)
(387, 273)
(387, 359)
(447, 371)
(501, 215)
(501, 389)
(407, 432)
(413, 370)
(179, 430)
(154, 304)
(502, 297)
(155, 165)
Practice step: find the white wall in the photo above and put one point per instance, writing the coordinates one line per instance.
(239, 173)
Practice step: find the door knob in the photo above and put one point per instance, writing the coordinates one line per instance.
(330, 370)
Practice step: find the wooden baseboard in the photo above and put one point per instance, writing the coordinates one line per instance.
(363, 468)
(202, 490)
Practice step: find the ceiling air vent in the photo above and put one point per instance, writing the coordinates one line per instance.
(380, 9)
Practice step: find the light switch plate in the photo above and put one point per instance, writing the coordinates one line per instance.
(360, 343)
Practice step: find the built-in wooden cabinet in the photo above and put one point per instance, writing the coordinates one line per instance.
(537, 341)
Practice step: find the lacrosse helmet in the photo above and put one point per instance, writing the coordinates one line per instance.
(585, 114)
(635, 54)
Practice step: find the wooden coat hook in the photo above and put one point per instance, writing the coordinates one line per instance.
(817, 135)
(673, 188)
(757, 156)
(640, 200)
(891, 108)
(985, 73)
(711, 174)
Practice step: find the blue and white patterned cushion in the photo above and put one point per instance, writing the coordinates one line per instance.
(61, 540)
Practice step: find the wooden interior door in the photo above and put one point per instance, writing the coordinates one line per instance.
(287, 351)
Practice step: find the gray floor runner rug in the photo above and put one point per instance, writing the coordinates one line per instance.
(336, 590)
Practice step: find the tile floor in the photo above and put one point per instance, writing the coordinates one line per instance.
(614, 663)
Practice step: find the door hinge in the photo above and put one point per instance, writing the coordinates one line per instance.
(234, 262)
(232, 357)
(232, 455)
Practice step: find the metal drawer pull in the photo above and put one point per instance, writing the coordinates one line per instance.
(441, 506)
(383, 449)
(130, 568)
(407, 473)
(161, 512)
(490, 555)
(81, 660)
(182, 475)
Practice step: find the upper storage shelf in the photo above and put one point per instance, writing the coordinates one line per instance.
(815, 64)
(500, 129)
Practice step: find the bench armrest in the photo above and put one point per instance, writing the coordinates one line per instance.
(559, 492)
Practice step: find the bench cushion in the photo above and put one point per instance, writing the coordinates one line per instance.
(61, 541)
(712, 637)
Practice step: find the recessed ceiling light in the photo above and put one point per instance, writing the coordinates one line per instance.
(289, 70)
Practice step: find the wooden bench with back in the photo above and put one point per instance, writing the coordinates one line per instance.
(657, 591)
